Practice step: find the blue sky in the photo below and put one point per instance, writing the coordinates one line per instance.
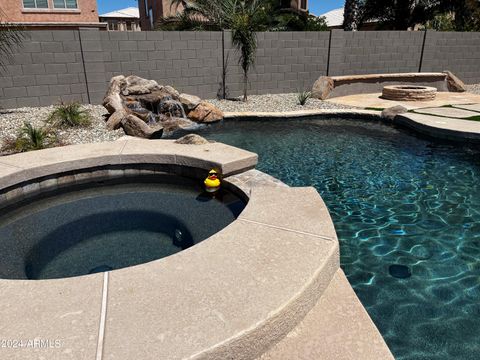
(317, 7)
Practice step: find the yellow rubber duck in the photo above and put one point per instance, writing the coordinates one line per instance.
(212, 182)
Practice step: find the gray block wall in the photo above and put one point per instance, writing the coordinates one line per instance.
(375, 52)
(47, 69)
(285, 62)
(189, 61)
(76, 65)
(458, 52)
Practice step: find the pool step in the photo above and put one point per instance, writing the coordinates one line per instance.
(337, 328)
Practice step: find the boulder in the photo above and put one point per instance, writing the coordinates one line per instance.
(113, 103)
(115, 86)
(170, 125)
(189, 102)
(205, 113)
(134, 126)
(192, 139)
(390, 113)
(323, 87)
(171, 91)
(115, 120)
(454, 84)
(137, 85)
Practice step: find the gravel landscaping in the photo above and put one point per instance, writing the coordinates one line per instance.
(273, 103)
(474, 89)
(11, 120)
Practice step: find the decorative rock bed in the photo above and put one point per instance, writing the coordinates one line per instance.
(409, 93)
(145, 109)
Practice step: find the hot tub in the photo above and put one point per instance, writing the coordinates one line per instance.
(107, 225)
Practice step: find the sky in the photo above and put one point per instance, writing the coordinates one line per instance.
(317, 7)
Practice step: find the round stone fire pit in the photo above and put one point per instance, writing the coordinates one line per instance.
(409, 93)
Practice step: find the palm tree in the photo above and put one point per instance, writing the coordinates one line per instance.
(10, 37)
(242, 17)
(351, 15)
(399, 14)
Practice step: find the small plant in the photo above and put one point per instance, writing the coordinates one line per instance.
(69, 115)
(30, 138)
(303, 97)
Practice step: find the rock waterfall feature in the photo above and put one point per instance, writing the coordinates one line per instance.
(145, 109)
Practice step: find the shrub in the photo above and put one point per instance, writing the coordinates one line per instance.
(303, 97)
(30, 138)
(69, 115)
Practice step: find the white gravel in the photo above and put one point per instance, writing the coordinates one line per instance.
(11, 120)
(474, 89)
(273, 103)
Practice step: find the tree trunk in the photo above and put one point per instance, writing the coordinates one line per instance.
(351, 15)
(245, 86)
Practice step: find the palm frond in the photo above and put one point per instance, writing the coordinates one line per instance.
(11, 37)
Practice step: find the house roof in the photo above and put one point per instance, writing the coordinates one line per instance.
(130, 12)
(334, 17)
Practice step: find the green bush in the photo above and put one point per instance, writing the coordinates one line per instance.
(69, 115)
(303, 97)
(30, 138)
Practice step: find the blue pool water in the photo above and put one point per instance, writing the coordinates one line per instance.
(109, 225)
(407, 212)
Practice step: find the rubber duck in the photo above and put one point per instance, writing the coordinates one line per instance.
(212, 182)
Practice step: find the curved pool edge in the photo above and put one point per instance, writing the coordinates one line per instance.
(234, 295)
(432, 126)
(441, 127)
(299, 114)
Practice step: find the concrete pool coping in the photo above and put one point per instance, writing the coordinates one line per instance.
(234, 295)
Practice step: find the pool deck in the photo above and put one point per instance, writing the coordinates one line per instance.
(375, 100)
(267, 285)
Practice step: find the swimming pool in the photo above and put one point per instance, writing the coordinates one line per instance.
(407, 212)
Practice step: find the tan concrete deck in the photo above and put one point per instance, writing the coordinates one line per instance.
(340, 328)
(234, 295)
(375, 100)
(441, 127)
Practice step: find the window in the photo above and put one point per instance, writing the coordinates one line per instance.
(65, 4)
(35, 4)
(303, 4)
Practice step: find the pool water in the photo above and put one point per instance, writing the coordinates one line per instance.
(407, 212)
(106, 226)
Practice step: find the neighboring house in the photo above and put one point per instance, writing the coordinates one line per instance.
(52, 14)
(299, 5)
(153, 10)
(122, 20)
(334, 20)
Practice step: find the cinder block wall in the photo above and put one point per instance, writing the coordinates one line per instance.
(189, 61)
(458, 52)
(286, 62)
(48, 68)
(69, 65)
(375, 52)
